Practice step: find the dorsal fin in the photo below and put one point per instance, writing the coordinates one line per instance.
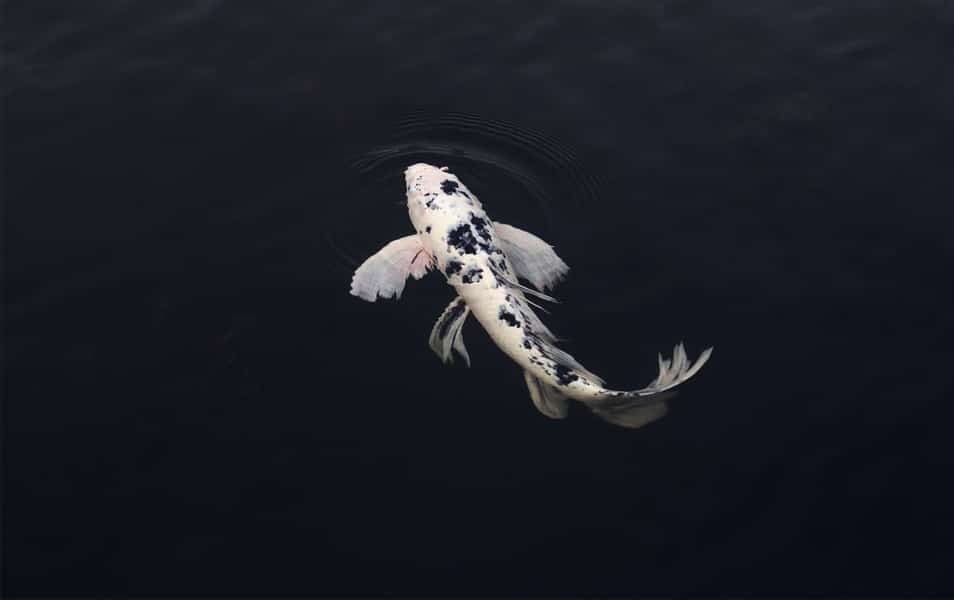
(509, 281)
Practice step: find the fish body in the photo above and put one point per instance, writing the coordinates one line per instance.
(484, 261)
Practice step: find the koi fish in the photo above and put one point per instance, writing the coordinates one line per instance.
(483, 261)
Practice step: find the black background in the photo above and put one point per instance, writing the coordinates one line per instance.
(194, 405)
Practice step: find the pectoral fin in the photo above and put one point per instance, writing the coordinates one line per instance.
(385, 273)
(532, 258)
(447, 334)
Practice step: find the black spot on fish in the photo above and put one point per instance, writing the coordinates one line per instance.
(508, 317)
(482, 230)
(527, 344)
(480, 226)
(449, 187)
(453, 267)
(462, 238)
(565, 376)
(473, 275)
(427, 229)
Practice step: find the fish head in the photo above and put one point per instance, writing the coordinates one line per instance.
(421, 178)
(424, 192)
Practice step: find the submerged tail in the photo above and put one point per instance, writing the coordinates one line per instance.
(633, 416)
(639, 407)
(625, 408)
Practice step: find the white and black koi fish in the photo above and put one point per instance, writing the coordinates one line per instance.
(483, 261)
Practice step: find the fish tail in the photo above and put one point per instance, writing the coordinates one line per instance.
(639, 407)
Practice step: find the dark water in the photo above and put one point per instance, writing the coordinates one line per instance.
(194, 405)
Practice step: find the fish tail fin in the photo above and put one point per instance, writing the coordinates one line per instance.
(674, 372)
(639, 407)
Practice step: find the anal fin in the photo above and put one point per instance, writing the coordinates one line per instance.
(547, 399)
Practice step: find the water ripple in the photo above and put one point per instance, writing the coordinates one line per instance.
(543, 175)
